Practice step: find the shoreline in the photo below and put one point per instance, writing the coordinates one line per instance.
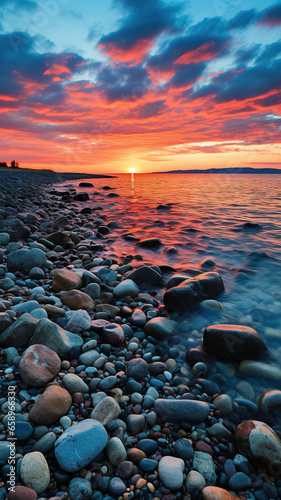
(152, 420)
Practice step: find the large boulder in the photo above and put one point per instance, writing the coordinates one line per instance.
(19, 333)
(233, 341)
(24, 260)
(161, 328)
(79, 445)
(145, 274)
(55, 337)
(258, 442)
(193, 290)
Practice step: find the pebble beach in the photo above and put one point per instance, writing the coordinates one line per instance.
(102, 396)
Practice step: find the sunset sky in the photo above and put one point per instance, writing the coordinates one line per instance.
(106, 86)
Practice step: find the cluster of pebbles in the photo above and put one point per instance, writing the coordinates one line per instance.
(109, 404)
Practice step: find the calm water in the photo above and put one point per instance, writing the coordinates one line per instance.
(204, 221)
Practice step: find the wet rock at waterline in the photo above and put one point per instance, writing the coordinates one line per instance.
(257, 441)
(233, 341)
(193, 290)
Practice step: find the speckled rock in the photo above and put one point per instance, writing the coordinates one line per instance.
(203, 463)
(39, 365)
(79, 489)
(34, 471)
(55, 337)
(107, 409)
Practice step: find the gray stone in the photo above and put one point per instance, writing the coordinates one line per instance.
(193, 290)
(106, 410)
(224, 403)
(73, 384)
(203, 463)
(34, 471)
(93, 289)
(219, 431)
(4, 239)
(170, 471)
(55, 337)
(145, 274)
(78, 321)
(80, 489)
(194, 481)
(126, 288)
(79, 445)
(135, 423)
(257, 441)
(116, 451)
(181, 410)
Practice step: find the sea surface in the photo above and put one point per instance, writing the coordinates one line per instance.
(205, 221)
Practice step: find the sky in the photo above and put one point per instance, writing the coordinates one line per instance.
(152, 85)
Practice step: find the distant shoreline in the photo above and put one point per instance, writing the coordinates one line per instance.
(246, 170)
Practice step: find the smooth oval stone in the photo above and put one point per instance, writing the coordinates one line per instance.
(116, 451)
(39, 365)
(80, 445)
(22, 493)
(182, 410)
(64, 280)
(23, 430)
(183, 449)
(73, 384)
(224, 403)
(117, 487)
(113, 334)
(239, 481)
(107, 409)
(138, 317)
(50, 406)
(75, 299)
(233, 341)
(194, 481)
(126, 288)
(34, 471)
(260, 369)
(148, 465)
(170, 471)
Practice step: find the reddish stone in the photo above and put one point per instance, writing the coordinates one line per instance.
(135, 455)
(66, 280)
(214, 493)
(39, 365)
(22, 493)
(202, 446)
(53, 404)
(74, 299)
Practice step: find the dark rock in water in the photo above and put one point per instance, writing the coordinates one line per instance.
(182, 410)
(194, 356)
(249, 225)
(86, 184)
(161, 328)
(176, 280)
(113, 195)
(164, 207)
(107, 188)
(258, 442)
(145, 274)
(24, 260)
(193, 290)
(233, 341)
(86, 210)
(207, 263)
(150, 243)
(81, 197)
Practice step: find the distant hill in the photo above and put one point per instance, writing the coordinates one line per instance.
(236, 170)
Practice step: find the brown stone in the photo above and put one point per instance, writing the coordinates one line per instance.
(59, 238)
(53, 404)
(39, 365)
(22, 493)
(74, 299)
(135, 455)
(112, 311)
(53, 311)
(214, 493)
(66, 280)
(202, 446)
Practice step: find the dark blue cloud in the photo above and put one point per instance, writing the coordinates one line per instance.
(243, 19)
(123, 83)
(145, 20)
(149, 109)
(271, 16)
(270, 52)
(187, 74)
(243, 83)
(246, 55)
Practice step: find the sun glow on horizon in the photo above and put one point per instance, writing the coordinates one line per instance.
(132, 170)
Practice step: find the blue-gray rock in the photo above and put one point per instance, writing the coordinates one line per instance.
(80, 445)
(117, 487)
(145, 274)
(54, 337)
(26, 307)
(137, 369)
(4, 239)
(136, 424)
(183, 449)
(161, 328)
(126, 288)
(181, 410)
(20, 332)
(203, 463)
(239, 481)
(170, 471)
(193, 290)
(24, 260)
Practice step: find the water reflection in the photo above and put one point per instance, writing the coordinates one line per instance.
(133, 186)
